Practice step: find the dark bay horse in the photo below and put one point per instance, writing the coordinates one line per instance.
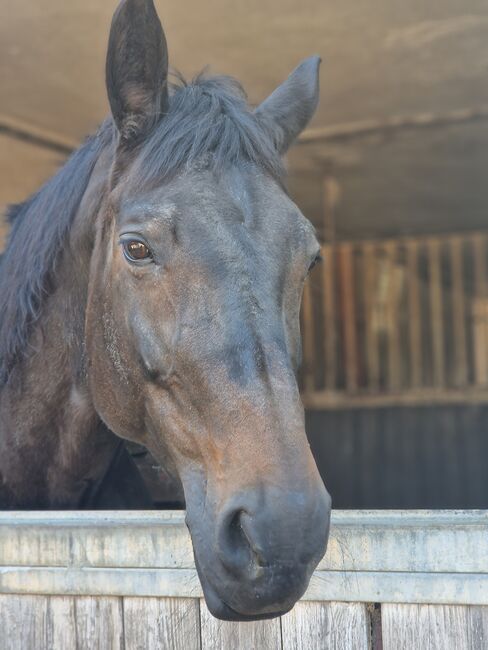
(154, 285)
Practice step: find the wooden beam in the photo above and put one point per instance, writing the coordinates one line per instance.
(327, 400)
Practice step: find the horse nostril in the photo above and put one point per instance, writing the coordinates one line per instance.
(239, 551)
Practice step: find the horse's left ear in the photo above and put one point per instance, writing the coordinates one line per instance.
(137, 68)
(290, 107)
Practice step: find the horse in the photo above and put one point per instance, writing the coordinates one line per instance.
(150, 291)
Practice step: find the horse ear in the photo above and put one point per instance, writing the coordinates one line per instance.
(290, 107)
(137, 68)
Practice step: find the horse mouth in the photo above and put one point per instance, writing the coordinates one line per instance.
(220, 609)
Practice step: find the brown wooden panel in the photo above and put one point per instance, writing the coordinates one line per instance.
(480, 311)
(392, 311)
(155, 623)
(329, 307)
(335, 626)
(436, 313)
(348, 314)
(369, 263)
(308, 333)
(458, 302)
(224, 635)
(414, 315)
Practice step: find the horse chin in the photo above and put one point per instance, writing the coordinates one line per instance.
(219, 608)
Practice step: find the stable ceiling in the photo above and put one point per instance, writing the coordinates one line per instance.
(382, 59)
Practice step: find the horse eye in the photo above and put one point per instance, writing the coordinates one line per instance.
(316, 261)
(136, 251)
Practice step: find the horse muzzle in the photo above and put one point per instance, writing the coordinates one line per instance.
(256, 554)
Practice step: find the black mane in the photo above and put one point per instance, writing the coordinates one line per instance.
(208, 120)
(38, 229)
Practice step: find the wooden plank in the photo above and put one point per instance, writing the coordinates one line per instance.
(348, 313)
(369, 289)
(392, 310)
(224, 635)
(323, 400)
(460, 370)
(98, 539)
(347, 586)
(480, 334)
(37, 622)
(414, 315)
(335, 626)
(433, 627)
(330, 310)
(478, 628)
(99, 623)
(23, 622)
(155, 623)
(436, 313)
(369, 540)
(401, 587)
(478, 243)
(308, 334)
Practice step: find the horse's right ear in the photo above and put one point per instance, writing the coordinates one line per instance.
(137, 69)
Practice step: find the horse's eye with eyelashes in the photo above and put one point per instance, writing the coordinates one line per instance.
(318, 258)
(136, 251)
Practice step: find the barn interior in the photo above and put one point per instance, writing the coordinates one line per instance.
(392, 173)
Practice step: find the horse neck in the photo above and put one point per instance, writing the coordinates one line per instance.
(52, 444)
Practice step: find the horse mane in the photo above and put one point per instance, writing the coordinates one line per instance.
(39, 227)
(208, 122)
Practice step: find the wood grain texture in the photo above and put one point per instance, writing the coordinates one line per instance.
(326, 626)
(99, 623)
(23, 622)
(328, 271)
(223, 635)
(478, 627)
(348, 314)
(414, 315)
(430, 627)
(370, 280)
(161, 623)
(60, 623)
